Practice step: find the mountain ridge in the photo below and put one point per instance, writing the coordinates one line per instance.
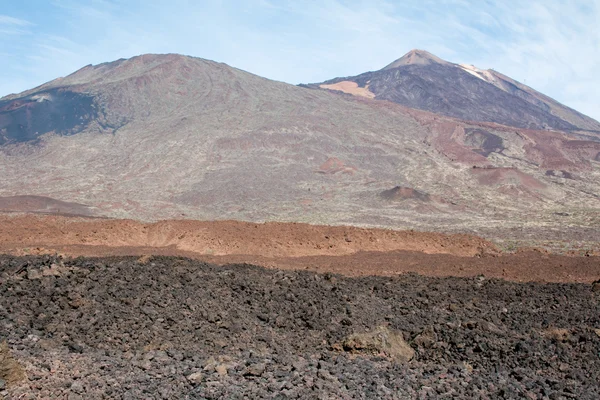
(169, 136)
(424, 81)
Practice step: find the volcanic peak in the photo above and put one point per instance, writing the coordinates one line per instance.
(117, 71)
(416, 57)
(124, 68)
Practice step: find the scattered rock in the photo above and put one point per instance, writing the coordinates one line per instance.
(255, 370)
(490, 327)
(34, 273)
(54, 270)
(11, 372)
(426, 338)
(381, 341)
(77, 387)
(326, 375)
(196, 377)
(221, 369)
(557, 334)
(145, 259)
(179, 328)
(471, 324)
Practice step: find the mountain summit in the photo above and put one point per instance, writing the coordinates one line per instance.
(424, 81)
(415, 57)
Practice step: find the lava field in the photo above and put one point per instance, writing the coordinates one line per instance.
(175, 328)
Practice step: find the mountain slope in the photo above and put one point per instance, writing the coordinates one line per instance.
(424, 81)
(169, 136)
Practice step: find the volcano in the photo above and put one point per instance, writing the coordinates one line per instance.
(170, 136)
(421, 80)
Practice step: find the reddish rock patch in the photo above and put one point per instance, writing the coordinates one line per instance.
(400, 193)
(334, 165)
(506, 176)
(553, 150)
(448, 137)
(226, 237)
(350, 88)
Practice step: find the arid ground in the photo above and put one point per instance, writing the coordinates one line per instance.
(325, 292)
(98, 308)
(343, 250)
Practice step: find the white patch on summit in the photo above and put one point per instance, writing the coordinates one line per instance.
(483, 74)
(41, 97)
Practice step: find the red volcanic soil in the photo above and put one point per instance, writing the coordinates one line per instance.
(404, 193)
(553, 151)
(549, 149)
(446, 133)
(345, 250)
(506, 176)
(220, 238)
(334, 165)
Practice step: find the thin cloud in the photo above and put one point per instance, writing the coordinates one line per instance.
(10, 26)
(13, 31)
(7, 20)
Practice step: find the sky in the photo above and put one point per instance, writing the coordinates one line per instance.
(551, 45)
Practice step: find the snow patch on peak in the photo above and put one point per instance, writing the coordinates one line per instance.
(483, 74)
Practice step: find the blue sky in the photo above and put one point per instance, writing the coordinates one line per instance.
(551, 45)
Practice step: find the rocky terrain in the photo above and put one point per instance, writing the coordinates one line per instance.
(217, 170)
(164, 327)
(173, 137)
(229, 237)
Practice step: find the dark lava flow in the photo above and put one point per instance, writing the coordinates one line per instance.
(170, 327)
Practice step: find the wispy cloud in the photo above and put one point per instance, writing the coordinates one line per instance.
(7, 20)
(551, 45)
(10, 26)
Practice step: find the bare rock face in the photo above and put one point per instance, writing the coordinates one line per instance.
(63, 111)
(381, 341)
